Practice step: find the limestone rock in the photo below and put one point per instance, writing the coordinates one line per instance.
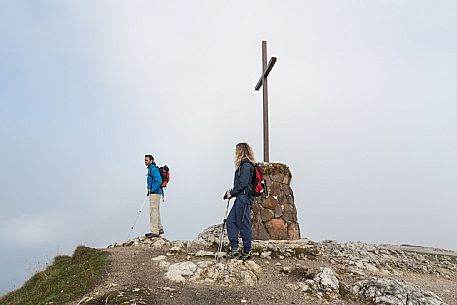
(253, 267)
(159, 258)
(210, 236)
(201, 253)
(327, 281)
(233, 272)
(324, 284)
(393, 292)
(266, 254)
(174, 250)
(158, 243)
(363, 259)
(164, 265)
(176, 272)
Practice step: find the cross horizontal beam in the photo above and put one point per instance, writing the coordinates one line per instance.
(265, 75)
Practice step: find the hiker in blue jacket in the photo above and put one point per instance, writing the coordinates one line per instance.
(239, 218)
(154, 181)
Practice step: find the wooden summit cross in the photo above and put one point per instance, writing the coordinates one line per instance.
(263, 81)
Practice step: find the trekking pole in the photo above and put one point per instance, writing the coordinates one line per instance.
(221, 235)
(136, 219)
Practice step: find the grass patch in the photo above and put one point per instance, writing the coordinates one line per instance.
(65, 280)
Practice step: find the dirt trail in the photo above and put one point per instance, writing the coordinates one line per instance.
(133, 273)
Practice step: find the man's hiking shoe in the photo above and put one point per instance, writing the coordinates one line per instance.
(151, 235)
(161, 231)
(234, 254)
(246, 256)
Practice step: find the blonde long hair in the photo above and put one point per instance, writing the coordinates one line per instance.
(243, 150)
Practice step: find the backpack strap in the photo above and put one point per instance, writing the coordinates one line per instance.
(149, 171)
(253, 174)
(163, 189)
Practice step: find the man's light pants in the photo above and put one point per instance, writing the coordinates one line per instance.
(154, 213)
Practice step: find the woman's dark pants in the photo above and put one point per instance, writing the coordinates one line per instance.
(239, 220)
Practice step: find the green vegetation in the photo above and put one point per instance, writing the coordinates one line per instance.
(279, 168)
(65, 280)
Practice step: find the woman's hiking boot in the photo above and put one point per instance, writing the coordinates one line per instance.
(246, 255)
(234, 254)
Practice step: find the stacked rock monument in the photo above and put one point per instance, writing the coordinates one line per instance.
(274, 215)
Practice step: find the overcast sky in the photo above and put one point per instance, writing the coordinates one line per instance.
(363, 108)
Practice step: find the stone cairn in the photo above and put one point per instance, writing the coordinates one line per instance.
(274, 216)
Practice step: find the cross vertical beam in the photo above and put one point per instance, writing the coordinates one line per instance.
(263, 82)
(266, 135)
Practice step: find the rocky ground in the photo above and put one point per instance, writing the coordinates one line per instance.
(158, 271)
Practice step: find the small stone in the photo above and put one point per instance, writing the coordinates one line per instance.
(303, 287)
(310, 282)
(176, 271)
(291, 286)
(158, 243)
(201, 253)
(327, 279)
(159, 258)
(164, 264)
(253, 267)
(248, 278)
(220, 254)
(178, 243)
(286, 269)
(175, 249)
(266, 254)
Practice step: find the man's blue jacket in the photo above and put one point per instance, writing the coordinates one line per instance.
(154, 179)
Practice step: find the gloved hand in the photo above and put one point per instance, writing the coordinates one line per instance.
(227, 195)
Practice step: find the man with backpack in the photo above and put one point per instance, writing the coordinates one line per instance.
(154, 182)
(239, 218)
